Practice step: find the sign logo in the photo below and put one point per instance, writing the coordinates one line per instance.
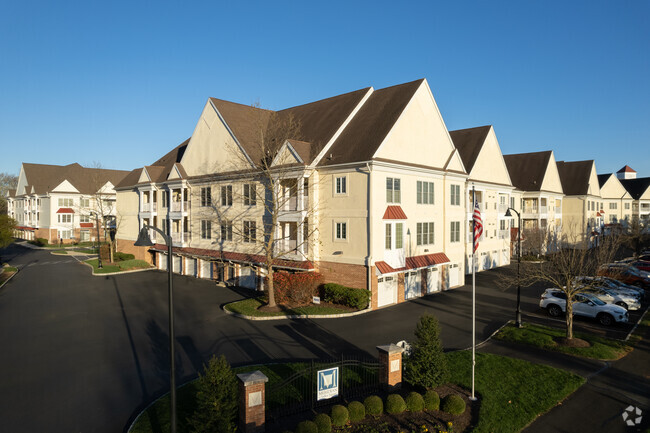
(327, 383)
(632, 416)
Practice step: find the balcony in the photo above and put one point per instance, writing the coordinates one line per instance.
(178, 238)
(150, 207)
(503, 207)
(177, 206)
(470, 236)
(504, 234)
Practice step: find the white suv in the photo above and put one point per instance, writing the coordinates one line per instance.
(584, 304)
(612, 297)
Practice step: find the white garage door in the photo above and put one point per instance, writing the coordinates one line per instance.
(190, 267)
(162, 261)
(206, 269)
(412, 285)
(453, 275)
(386, 291)
(433, 280)
(247, 278)
(505, 257)
(176, 264)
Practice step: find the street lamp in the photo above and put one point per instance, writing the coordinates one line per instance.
(99, 244)
(518, 315)
(145, 241)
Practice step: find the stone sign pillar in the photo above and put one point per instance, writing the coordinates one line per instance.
(390, 371)
(251, 401)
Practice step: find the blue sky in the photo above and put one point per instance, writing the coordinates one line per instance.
(121, 83)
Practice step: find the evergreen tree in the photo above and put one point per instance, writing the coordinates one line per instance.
(426, 366)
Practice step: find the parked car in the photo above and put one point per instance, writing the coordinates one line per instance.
(612, 297)
(585, 304)
(625, 274)
(610, 283)
(641, 265)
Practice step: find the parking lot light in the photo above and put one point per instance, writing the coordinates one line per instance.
(518, 323)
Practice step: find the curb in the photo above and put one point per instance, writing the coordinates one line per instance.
(295, 316)
(115, 273)
(637, 324)
(9, 279)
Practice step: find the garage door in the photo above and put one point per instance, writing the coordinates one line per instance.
(176, 264)
(412, 285)
(247, 278)
(433, 280)
(190, 267)
(453, 275)
(386, 291)
(206, 269)
(162, 261)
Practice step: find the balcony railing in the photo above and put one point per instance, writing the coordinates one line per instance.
(180, 238)
(149, 207)
(503, 207)
(286, 246)
(470, 236)
(176, 206)
(290, 203)
(504, 234)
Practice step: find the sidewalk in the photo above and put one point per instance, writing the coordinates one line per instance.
(599, 404)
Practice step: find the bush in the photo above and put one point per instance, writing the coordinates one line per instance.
(41, 242)
(453, 404)
(121, 257)
(395, 404)
(357, 411)
(374, 405)
(338, 294)
(307, 427)
(324, 423)
(217, 398)
(431, 400)
(340, 415)
(426, 366)
(296, 289)
(414, 402)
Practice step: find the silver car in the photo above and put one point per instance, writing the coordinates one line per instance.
(584, 304)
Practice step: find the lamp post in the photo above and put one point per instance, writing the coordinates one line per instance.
(518, 314)
(99, 244)
(145, 241)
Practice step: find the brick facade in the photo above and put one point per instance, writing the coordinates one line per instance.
(252, 401)
(140, 253)
(390, 370)
(374, 289)
(345, 274)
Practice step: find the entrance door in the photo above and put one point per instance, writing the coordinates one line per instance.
(412, 285)
(386, 291)
(84, 236)
(433, 280)
(247, 278)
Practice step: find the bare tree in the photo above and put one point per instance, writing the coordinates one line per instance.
(7, 182)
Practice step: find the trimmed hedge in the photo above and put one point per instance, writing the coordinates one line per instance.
(338, 294)
(453, 404)
(324, 423)
(414, 402)
(340, 415)
(41, 242)
(431, 400)
(307, 427)
(357, 411)
(374, 405)
(395, 404)
(121, 257)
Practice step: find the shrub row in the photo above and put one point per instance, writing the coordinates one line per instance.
(121, 257)
(297, 288)
(338, 294)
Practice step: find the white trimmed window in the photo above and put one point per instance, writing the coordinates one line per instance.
(455, 195)
(250, 231)
(341, 231)
(425, 193)
(206, 196)
(66, 202)
(393, 190)
(425, 233)
(612, 205)
(454, 235)
(226, 195)
(250, 197)
(395, 231)
(389, 237)
(226, 230)
(65, 218)
(83, 202)
(340, 185)
(165, 198)
(627, 206)
(84, 218)
(206, 229)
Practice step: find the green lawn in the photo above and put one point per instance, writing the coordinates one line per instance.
(59, 252)
(512, 392)
(249, 307)
(544, 337)
(126, 265)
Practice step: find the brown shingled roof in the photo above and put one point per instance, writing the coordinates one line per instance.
(159, 170)
(469, 143)
(575, 176)
(527, 170)
(414, 262)
(636, 187)
(45, 178)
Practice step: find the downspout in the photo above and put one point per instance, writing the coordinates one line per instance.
(369, 233)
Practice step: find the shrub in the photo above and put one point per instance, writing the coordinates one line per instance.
(374, 405)
(431, 400)
(357, 411)
(426, 366)
(395, 404)
(121, 257)
(414, 402)
(338, 294)
(340, 415)
(324, 423)
(307, 427)
(41, 242)
(217, 398)
(297, 289)
(453, 404)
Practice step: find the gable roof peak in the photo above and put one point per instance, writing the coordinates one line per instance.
(626, 169)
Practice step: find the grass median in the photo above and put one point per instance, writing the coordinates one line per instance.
(109, 268)
(250, 307)
(547, 338)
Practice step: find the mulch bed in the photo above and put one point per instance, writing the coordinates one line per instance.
(573, 342)
(407, 422)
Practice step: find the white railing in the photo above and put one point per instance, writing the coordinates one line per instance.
(178, 205)
(543, 209)
(149, 207)
(503, 207)
(470, 236)
(504, 234)
(290, 203)
(286, 246)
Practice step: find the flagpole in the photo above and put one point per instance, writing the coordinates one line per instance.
(473, 290)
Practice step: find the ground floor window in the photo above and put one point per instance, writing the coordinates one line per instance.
(65, 234)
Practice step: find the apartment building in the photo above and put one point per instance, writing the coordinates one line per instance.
(370, 191)
(617, 201)
(490, 181)
(63, 203)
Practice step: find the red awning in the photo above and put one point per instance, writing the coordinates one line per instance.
(414, 262)
(65, 210)
(394, 213)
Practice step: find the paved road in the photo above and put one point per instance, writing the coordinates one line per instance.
(86, 354)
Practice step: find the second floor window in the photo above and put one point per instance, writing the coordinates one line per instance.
(226, 195)
(84, 202)
(226, 231)
(249, 231)
(454, 235)
(425, 234)
(66, 202)
(393, 190)
(341, 231)
(627, 206)
(206, 196)
(206, 229)
(84, 218)
(250, 197)
(455, 195)
(165, 198)
(341, 185)
(612, 205)
(424, 192)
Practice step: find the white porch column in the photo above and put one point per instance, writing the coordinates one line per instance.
(300, 192)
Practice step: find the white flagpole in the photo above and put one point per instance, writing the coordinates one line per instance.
(473, 292)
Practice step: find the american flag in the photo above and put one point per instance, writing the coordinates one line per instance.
(478, 224)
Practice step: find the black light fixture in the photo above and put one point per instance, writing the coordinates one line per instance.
(518, 312)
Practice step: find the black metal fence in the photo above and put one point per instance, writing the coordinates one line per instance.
(297, 392)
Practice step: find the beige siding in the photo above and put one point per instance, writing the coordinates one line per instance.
(127, 215)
